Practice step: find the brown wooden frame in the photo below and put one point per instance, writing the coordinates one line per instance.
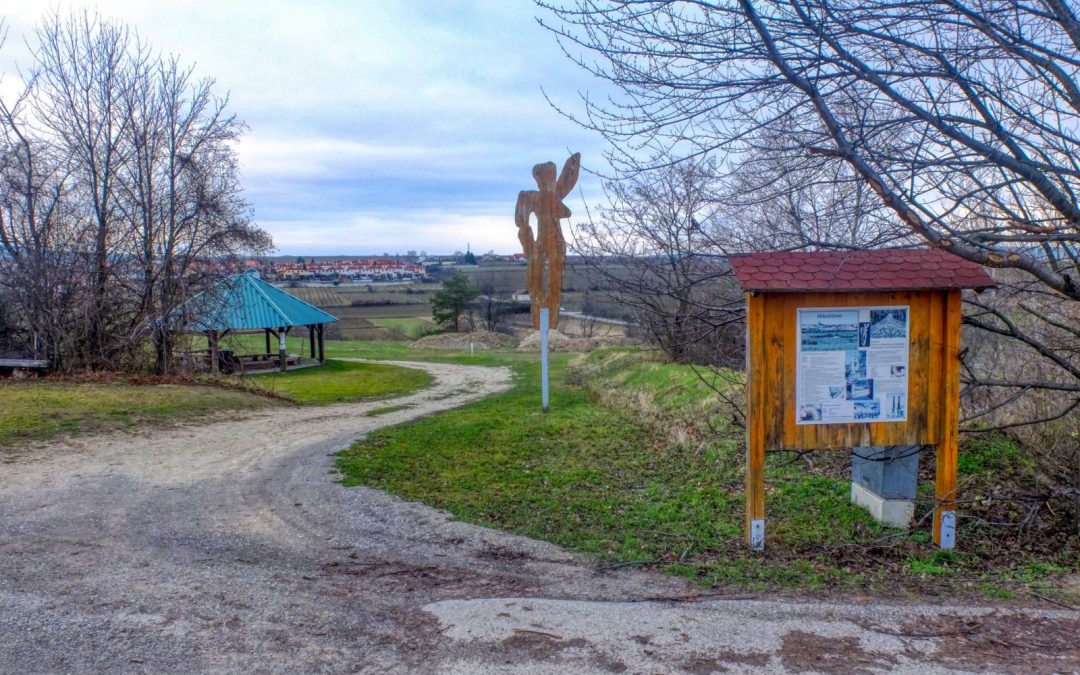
(933, 391)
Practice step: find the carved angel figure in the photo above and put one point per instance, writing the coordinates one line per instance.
(546, 253)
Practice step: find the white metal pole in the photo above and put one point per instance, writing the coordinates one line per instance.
(544, 358)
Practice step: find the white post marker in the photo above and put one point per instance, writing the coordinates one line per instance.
(948, 530)
(757, 535)
(544, 358)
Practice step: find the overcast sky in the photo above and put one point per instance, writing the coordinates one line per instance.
(374, 125)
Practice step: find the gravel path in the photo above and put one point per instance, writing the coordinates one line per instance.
(227, 545)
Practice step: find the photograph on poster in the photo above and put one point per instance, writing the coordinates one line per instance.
(895, 406)
(864, 333)
(809, 413)
(830, 331)
(867, 410)
(888, 323)
(852, 365)
(860, 390)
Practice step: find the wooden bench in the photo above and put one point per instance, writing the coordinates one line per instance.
(21, 368)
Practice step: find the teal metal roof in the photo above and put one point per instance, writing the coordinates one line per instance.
(245, 302)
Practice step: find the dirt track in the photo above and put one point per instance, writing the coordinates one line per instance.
(227, 545)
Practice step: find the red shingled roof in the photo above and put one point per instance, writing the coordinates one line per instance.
(840, 271)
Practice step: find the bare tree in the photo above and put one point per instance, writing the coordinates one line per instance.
(81, 74)
(493, 302)
(659, 248)
(781, 201)
(120, 195)
(39, 286)
(960, 117)
(182, 195)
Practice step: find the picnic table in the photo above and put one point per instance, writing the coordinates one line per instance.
(231, 362)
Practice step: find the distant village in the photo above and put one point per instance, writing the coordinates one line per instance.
(407, 268)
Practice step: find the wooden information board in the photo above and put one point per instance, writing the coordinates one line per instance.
(786, 388)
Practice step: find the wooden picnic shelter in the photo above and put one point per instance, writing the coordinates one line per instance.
(244, 303)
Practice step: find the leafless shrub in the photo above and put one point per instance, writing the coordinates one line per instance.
(658, 250)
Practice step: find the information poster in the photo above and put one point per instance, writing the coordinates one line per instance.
(852, 365)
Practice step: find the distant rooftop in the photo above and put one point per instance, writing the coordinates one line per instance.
(851, 271)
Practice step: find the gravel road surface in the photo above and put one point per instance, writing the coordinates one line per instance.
(228, 546)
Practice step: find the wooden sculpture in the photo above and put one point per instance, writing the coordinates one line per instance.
(546, 253)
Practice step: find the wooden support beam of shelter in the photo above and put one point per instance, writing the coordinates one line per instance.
(283, 348)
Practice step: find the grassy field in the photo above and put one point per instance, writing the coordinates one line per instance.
(40, 410)
(325, 297)
(399, 312)
(411, 327)
(621, 468)
(340, 381)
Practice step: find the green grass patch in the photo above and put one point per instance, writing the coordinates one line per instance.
(992, 455)
(339, 381)
(410, 327)
(670, 386)
(602, 473)
(43, 409)
(604, 482)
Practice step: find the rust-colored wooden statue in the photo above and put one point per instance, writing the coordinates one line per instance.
(546, 254)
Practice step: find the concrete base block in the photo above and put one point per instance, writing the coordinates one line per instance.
(892, 512)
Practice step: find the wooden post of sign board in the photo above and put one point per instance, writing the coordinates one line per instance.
(948, 440)
(755, 427)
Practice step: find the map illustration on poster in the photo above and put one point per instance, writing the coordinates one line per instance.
(852, 365)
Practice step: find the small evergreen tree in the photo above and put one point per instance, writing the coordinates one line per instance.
(451, 301)
(469, 258)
